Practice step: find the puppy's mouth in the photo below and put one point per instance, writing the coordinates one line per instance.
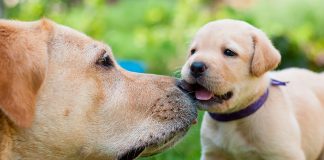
(203, 95)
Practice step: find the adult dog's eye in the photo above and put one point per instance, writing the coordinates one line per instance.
(192, 51)
(229, 53)
(105, 60)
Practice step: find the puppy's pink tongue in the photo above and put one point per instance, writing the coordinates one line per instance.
(203, 94)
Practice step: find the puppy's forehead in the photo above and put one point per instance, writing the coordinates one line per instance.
(229, 24)
(225, 27)
(223, 31)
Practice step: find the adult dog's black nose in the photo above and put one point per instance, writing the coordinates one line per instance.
(197, 69)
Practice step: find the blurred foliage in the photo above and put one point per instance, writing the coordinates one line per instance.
(159, 31)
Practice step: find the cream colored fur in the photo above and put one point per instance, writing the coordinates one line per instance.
(289, 126)
(58, 101)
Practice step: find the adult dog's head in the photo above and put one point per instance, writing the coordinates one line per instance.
(63, 96)
(226, 62)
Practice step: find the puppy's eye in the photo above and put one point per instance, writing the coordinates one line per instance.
(192, 51)
(105, 60)
(229, 53)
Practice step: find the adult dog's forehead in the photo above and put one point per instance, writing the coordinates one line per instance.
(76, 44)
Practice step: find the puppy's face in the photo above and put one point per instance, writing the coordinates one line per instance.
(86, 105)
(226, 60)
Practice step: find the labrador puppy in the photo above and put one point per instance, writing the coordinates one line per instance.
(251, 116)
(63, 96)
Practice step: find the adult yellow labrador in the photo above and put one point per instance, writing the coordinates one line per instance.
(63, 96)
(252, 117)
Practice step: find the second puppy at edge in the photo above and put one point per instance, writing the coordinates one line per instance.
(249, 116)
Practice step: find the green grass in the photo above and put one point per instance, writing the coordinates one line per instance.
(188, 148)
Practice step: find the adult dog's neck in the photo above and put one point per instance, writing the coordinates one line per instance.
(7, 130)
(16, 143)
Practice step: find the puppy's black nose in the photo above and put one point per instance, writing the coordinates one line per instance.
(197, 69)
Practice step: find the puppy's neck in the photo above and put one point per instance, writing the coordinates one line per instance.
(252, 92)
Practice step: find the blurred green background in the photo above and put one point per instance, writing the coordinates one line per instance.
(158, 32)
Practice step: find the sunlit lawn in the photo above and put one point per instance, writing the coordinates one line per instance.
(187, 149)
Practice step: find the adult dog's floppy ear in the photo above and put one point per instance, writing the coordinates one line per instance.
(265, 56)
(23, 59)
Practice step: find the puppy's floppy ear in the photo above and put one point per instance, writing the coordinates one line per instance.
(265, 56)
(23, 59)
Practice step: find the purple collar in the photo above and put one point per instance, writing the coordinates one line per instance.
(249, 109)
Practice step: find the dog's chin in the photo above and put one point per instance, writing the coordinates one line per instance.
(213, 107)
(163, 145)
(154, 147)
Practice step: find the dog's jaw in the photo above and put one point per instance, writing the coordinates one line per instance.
(163, 145)
(155, 147)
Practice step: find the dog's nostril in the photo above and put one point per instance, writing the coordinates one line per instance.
(197, 69)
